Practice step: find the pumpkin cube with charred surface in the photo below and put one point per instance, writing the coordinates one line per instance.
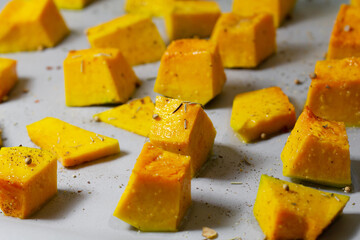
(159, 191)
(72, 4)
(279, 9)
(27, 25)
(84, 68)
(244, 41)
(28, 179)
(345, 37)
(136, 36)
(184, 128)
(261, 113)
(334, 92)
(191, 70)
(317, 150)
(8, 76)
(135, 116)
(192, 19)
(71, 144)
(287, 210)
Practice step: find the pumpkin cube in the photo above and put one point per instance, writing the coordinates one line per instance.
(244, 41)
(28, 179)
(355, 3)
(84, 68)
(159, 191)
(345, 37)
(287, 210)
(317, 150)
(71, 144)
(192, 19)
(184, 128)
(191, 70)
(8, 76)
(279, 9)
(135, 116)
(136, 36)
(72, 4)
(261, 113)
(334, 92)
(39, 19)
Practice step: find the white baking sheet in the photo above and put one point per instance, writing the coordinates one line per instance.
(226, 208)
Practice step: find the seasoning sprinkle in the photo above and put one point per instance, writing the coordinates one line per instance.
(102, 139)
(185, 123)
(236, 183)
(58, 141)
(177, 108)
(102, 54)
(92, 139)
(263, 135)
(74, 176)
(138, 109)
(185, 107)
(286, 187)
(96, 118)
(28, 160)
(347, 189)
(297, 81)
(325, 126)
(82, 66)
(323, 194)
(312, 75)
(337, 199)
(155, 116)
(347, 28)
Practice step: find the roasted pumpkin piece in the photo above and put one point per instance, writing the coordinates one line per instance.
(334, 93)
(261, 113)
(244, 41)
(28, 179)
(84, 68)
(287, 210)
(190, 19)
(279, 9)
(184, 128)
(159, 191)
(191, 70)
(71, 144)
(317, 150)
(345, 37)
(355, 3)
(135, 116)
(39, 19)
(72, 4)
(136, 36)
(8, 77)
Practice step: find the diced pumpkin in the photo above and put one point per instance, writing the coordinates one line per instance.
(159, 191)
(71, 144)
(135, 116)
(28, 179)
(287, 210)
(8, 76)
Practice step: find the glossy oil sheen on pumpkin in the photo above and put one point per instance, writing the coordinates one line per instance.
(28, 179)
(317, 150)
(39, 19)
(334, 93)
(71, 144)
(135, 116)
(183, 128)
(287, 210)
(159, 191)
(8, 76)
(84, 68)
(262, 111)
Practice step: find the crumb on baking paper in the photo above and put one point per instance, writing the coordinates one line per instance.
(209, 233)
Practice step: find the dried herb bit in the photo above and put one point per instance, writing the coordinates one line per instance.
(185, 107)
(236, 183)
(209, 233)
(312, 75)
(327, 86)
(325, 126)
(347, 189)
(28, 160)
(185, 123)
(286, 187)
(155, 116)
(177, 108)
(294, 204)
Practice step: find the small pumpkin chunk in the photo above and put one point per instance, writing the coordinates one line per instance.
(345, 37)
(184, 128)
(39, 19)
(71, 144)
(244, 41)
(334, 93)
(279, 9)
(135, 116)
(8, 77)
(355, 3)
(261, 113)
(287, 210)
(72, 4)
(84, 68)
(317, 150)
(136, 36)
(28, 179)
(192, 19)
(159, 191)
(191, 70)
